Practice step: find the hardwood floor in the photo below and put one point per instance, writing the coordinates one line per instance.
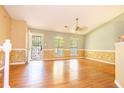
(81, 73)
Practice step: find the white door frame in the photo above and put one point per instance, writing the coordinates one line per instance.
(30, 43)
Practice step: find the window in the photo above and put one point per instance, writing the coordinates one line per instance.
(36, 41)
(74, 46)
(59, 44)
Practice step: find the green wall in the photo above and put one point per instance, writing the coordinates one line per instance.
(105, 36)
(49, 38)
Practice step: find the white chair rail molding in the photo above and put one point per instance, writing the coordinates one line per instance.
(6, 47)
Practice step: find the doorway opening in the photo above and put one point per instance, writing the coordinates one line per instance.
(36, 47)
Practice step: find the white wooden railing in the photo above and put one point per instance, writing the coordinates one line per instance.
(6, 47)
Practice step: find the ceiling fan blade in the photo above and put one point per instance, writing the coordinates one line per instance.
(82, 28)
(78, 28)
(65, 26)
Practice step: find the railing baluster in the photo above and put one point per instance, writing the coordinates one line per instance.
(6, 48)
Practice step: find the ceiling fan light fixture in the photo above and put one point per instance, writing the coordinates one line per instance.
(76, 28)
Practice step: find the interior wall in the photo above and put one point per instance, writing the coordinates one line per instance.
(18, 34)
(49, 38)
(105, 36)
(5, 29)
(100, 42)
(18, 38)
(49, 44)
(15, 30)
(101, 38)
(5, 25)
(12, 29)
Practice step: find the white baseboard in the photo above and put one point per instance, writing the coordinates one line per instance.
(17, 63)
(102, 61)
(117, 84)
(79, 58)
(99, 50)
(62, 58)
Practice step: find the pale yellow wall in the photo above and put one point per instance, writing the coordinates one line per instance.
(15, 30)
(5, 25)
(18, 34)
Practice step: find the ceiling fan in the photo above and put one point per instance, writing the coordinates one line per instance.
(76, 27)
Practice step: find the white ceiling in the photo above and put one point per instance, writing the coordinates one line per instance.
(54, 18)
